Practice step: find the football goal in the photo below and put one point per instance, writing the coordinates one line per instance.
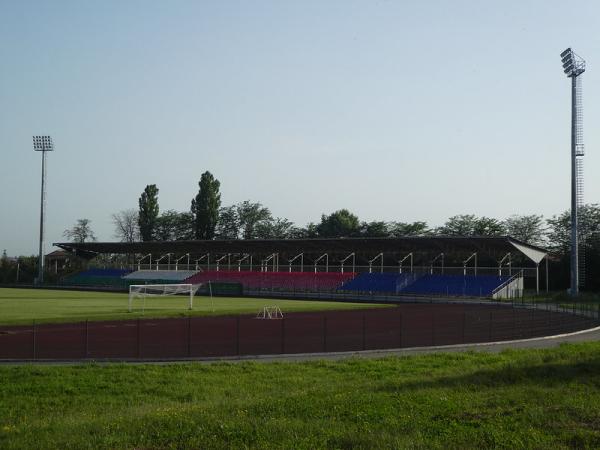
(146, 296)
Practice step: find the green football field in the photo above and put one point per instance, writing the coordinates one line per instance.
(22, 306)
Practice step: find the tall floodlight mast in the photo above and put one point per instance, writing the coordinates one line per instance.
(42, 144)
(574, 66)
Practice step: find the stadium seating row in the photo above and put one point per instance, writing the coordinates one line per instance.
(175, 276)
(378, 282)
(456, 285)
(104, 272)
(98, 277)
(321, 281)
(124, 278)
(430, 284)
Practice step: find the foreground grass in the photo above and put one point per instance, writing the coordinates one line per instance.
(22, 306)
(516, 399)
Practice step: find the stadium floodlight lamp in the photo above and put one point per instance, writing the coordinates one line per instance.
(569, 68)
(567, 59)
(566, 52)
(573, 65)
(43, 144)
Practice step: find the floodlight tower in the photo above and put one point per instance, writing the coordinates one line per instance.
(574, 66)
(42, 144)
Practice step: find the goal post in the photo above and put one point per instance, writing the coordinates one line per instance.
(143, 291)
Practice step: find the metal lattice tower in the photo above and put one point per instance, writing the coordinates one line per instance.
(42, 144)
(579, 153)
(574, 66)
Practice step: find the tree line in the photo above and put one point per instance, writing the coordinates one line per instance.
(207, 218)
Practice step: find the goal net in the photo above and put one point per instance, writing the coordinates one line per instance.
(148, 296)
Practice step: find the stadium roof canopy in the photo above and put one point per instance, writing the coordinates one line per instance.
(364, 248)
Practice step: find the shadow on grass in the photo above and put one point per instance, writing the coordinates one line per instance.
(586, 370)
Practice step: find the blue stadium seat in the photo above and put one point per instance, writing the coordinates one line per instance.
(455, 285)
(378, 282)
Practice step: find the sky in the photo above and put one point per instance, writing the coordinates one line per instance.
(395, 110)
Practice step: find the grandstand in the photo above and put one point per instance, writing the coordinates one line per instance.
(416, 266)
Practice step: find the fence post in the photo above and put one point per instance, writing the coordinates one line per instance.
(324, 333)
(283, 335)
(33, 335)
(432, 327)
(189, 340)
(364, 331)
(237, 335)
(87, 334)
(139, 344)
(400, 331)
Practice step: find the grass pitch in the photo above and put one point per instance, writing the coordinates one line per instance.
(22, 306)
(513, 400)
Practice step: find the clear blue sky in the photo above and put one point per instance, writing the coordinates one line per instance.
(395, 110)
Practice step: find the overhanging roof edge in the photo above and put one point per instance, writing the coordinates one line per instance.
(534, 253)
(428, 243)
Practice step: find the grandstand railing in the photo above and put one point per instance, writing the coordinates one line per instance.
(507, 283)
(528, 272)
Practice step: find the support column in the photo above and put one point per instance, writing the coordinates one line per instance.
(547, 280)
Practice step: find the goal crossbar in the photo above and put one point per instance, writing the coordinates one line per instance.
(161, 290)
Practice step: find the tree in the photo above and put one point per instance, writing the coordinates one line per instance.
(559, 241)
(529, 229)
(341, 223)
(81, 232)
(460, 225)
(487, 226)
(228, 226)
(126, 225)
(374, 229)
(251, 215)
(174, 226)
(307, 232)
(279, 228)
(148, 213)
(559, 228)
(205, 207)
(470, 225)
(4, 268)
(400, 229)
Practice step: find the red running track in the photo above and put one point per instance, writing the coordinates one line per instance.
(407, 325)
